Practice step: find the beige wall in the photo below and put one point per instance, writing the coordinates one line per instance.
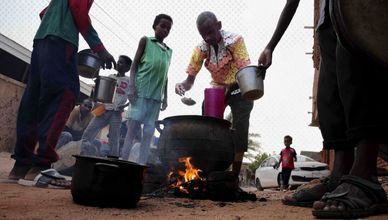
(11, 92)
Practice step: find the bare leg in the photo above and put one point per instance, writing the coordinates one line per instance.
(237, 162)
(343, 162)
(148, 133)
(366, 159)
(128, 142)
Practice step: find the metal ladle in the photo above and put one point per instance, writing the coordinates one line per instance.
(188, 101)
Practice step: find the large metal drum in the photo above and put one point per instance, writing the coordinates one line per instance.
(208, 140)
(104, 89)
(362, 27)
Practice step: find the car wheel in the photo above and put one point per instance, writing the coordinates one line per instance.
(258, 185)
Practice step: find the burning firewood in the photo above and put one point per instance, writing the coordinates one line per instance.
(187, 182)
(220, 185)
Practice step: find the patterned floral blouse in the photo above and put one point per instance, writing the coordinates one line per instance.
(232, 56)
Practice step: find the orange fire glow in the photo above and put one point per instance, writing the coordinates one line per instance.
(190, 174)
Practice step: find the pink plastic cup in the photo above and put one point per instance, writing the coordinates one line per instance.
(214, 104)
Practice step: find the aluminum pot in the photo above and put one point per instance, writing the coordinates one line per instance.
(106, 182)
(251, 82)
(104, 89)
(88, 64)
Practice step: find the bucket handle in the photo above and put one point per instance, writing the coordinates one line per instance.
(261, 71)
(157, 125)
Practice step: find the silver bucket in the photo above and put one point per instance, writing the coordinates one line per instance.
(251, 82)
(88, 64)
(104, 90)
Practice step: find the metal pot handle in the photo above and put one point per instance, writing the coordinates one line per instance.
(157, 125)
(103, 174)
(107, 168)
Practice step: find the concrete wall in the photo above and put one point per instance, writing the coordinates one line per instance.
(11, 92)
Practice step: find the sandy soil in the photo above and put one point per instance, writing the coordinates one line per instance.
(20, 202)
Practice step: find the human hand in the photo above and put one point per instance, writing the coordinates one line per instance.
(164, 104)
(180, 89)
(265, 58)
(131, 94)
(107, 59)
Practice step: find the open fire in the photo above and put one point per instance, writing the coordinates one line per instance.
(218, 185)
(189, 182)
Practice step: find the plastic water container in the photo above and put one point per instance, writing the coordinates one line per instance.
(214, 104)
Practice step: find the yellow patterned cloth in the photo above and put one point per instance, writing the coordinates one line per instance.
(232, 55)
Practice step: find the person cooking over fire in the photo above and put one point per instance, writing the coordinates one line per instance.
(224, 54)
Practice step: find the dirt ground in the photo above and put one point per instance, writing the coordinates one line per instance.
(21, 202)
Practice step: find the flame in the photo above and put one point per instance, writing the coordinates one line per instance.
(179, 178)
(191, 172)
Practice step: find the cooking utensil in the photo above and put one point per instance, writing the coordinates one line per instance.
(104, 89)
(214, 104)
(188, 101)
(208, 140)
(88, 64)
(106, 182)
(251, 82)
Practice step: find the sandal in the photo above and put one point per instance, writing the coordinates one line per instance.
(305, 197)
(47, 178)
(355, 197)
(59, 184)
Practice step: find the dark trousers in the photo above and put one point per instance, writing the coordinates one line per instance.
(352, 95)
(241, 111)
(286, 174)
(48, 99)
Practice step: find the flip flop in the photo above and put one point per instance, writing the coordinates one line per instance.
(44, 179)
(6, 180)
(305, 197)
(59, 184)
(52, 173)
(359, 197)
(39, 181)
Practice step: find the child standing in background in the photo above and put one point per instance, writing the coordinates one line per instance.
(148, 86)
(287, 158)
(112, 114)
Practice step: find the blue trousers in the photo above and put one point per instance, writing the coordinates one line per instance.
(50, 95)
(111, 118)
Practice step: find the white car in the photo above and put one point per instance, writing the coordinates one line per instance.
(268, 175)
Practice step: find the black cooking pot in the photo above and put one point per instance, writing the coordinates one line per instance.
(106, 182)
(208, 140)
